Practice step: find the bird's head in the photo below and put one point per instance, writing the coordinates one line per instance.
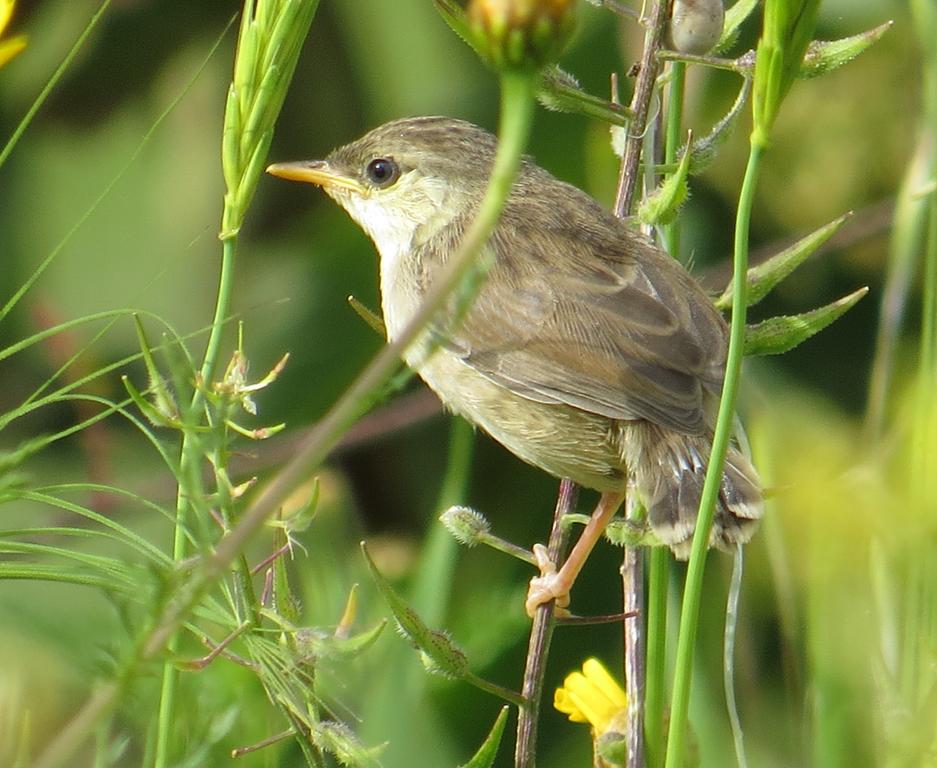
(404, 180)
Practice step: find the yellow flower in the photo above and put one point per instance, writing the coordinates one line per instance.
(591, 696)
(9, 48)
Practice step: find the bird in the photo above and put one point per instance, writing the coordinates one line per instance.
(587, 351)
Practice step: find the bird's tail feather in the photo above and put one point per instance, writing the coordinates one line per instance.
(669, 471)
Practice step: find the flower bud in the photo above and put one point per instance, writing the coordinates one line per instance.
(465, 524)
(518, 34)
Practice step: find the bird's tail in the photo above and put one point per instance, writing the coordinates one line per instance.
(669, 469)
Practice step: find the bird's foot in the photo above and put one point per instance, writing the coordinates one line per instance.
(549, 585)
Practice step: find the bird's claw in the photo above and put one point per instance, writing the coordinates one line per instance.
(549, 585)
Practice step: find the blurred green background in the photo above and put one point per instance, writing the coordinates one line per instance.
(842, 143)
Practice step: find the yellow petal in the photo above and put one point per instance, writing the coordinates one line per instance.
(6, 11)
(564, 703)
(591, 696)
(599, 676)
(9, 48)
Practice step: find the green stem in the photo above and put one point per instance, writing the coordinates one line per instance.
(689, 615)
(190, 459)
(672, 130)
(222, 308)
(433, 585)
(929, 308)
(658, 565)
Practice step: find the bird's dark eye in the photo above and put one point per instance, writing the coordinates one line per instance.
(382, 171)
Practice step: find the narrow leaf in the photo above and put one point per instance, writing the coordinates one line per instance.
(444, 656)
(368, 315)
(735, 17)
(703, 151)
(488, 751)
(153, 414)
(781, 334)
(661, 206)
(163, 400)
(314, 642)
(824, 56)
(455, 17)
(560, 91)
(338, 739)
(763, 277)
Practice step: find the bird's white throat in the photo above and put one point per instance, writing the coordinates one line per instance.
(399, 220)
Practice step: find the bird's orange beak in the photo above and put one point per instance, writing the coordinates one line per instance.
(317, 172)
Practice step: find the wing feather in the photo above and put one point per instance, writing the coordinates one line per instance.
(581, 311)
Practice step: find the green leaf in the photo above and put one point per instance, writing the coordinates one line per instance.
(153, 414)
(321, 644)
(661, 206)
(781, 334)
(488, 751)
(455, 17)
(440, 654)
(444, 656)
(703, 151)
(369, 316)
(735, 17)
(12, 460)
(338, 739)
(824, 56)
(765, 276)
(560, 91)
(163, 401)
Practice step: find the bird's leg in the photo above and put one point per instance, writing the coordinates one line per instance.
(555, 585)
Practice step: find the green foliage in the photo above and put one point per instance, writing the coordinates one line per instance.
(824, 56)
(778, 335)
(735, 17)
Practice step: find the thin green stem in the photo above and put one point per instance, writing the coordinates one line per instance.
(655, 684)
(715, 62)
(672, 135)
(929, 308)
(689, 615)
(433, 585)
(51, 83)
(495, 690)
(190, 459)
(222, 308)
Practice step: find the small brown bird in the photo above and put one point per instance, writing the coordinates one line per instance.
(588, 352)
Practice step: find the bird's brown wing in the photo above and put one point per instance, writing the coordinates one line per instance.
(609, 324)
